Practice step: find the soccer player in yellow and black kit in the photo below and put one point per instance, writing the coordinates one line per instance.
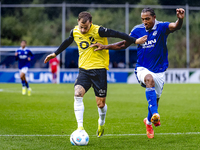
(93, 65)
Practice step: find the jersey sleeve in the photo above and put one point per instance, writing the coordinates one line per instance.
(30, 54)
(17, 57)
(65, 44)
(104, 32)
(165, 27)
(133, 33)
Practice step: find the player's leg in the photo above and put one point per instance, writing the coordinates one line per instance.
(149, 84)
(22, 77)
(25, 70)
(54, 77)
(102, 109)
(53, 71)
(81, 86)
(159, 83)
(78, 105)
(151, 95)
(99, 82)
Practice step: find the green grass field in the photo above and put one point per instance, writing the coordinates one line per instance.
(45, 120)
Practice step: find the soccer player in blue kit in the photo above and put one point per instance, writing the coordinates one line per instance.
(24, 56)
(152, 59)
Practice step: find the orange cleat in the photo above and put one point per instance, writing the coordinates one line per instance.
(149, 129)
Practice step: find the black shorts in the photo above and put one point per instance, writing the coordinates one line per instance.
(97, 78)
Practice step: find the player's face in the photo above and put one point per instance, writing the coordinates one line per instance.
(23, 44)
(148, 20)
(84, 27)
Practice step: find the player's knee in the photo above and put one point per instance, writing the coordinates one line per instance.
(101, 105)
(21, 77)
(149, 81)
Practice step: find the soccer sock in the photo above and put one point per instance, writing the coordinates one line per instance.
(78, 110)
(27, 85)
(23, 83)
(102, 115)
(149, 117)
(152, 100)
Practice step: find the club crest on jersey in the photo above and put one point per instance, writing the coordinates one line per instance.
(155, 33)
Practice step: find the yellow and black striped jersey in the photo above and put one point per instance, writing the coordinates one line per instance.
(88, 58)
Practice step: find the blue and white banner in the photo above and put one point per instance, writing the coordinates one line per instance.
(65, 77)
(113, 76)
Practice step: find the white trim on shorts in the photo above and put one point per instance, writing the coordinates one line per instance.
(159, 79)
(24, 70)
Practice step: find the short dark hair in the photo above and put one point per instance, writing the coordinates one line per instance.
(24, 41)
(148, 9)
(85, 16)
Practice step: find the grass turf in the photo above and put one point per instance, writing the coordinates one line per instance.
(46, 119)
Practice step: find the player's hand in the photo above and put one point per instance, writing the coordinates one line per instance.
(99, 46)
(50, 56)
(180, 12)
(29, 59)
(141, 40)
(16, 54)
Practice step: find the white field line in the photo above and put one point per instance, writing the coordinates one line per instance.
(186, 133)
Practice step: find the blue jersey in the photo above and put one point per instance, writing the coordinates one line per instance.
(22, 57)
(153, 54)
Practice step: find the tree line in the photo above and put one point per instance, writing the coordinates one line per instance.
(42, 26)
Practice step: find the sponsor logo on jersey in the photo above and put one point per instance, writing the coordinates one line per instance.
(149, 44)
(22, 56)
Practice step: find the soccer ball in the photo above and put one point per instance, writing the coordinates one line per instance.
(79, 137)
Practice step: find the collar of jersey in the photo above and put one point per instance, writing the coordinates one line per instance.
(154, 27)
(23, 49)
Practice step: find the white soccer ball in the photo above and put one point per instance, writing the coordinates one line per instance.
(79, 137)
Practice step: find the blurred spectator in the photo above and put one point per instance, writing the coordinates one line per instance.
(53, 64)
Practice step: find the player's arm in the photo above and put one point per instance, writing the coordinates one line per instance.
(104, 32)
(61, 48)
(180, 13)
(30, 56)
(117, 46)
(16, 55)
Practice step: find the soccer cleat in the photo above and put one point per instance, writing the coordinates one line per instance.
(29, 91)
(23, 91)
(80, 128)
(149, 129)
(100, 130)
(155, 119)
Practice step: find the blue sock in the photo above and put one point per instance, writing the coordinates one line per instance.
(27, 85)
(149, 115)
(23, 83)
(152, 101)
